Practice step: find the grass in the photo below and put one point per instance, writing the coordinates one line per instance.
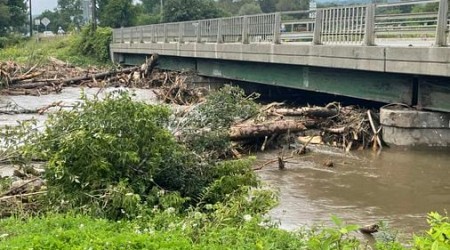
(82, 232)
(34, 52)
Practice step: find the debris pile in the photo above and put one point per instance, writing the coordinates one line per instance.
(52, 77)
(172, 87)
(21, 192)
(347, 127)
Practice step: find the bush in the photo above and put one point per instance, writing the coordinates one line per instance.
(107, 156)
(438, 237)
(207, 126)
(94, 43)
(114, 158)
(11, 39)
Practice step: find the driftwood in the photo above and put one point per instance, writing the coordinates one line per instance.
(52, 77)
(21, 195)
(305, 111)
(369, 229)
(76, 80)
(24, 77)
(241, 131)
(33, 85)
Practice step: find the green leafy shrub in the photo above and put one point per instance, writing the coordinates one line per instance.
(11, 39)
(210, 121)
(106, 156)
(438, 236)
(337, 237)
(94, 43)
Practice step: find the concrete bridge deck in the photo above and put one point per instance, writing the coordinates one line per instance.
(354, 51)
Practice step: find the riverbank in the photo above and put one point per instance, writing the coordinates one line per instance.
(113, 167)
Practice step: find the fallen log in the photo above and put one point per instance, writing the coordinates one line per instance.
(14, 80)
(78, 79)
(305, 111)
(31, 85)
(241, 131)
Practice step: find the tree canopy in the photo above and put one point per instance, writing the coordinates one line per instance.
(186, 10)
(12, 15)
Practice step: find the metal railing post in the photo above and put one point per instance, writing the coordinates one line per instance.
(181, 32)
(141, 35)
(317, 36)
(442, 24)
(277, 29)
(245, 30)
(369, 29)
(219, 31)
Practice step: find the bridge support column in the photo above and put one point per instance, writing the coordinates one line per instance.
(442, 25)
(409, 127)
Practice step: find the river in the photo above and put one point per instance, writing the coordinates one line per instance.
(398, 185)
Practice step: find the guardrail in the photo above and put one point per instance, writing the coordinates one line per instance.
(357, 25)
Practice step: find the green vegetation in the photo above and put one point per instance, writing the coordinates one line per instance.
(215, 116)
(116, 178)
(86, 48)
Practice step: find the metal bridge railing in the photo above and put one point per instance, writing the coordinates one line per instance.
(346, 25)
(357, 25)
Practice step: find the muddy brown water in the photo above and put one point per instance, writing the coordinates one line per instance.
(399, 186)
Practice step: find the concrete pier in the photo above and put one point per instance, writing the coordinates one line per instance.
(409, 127)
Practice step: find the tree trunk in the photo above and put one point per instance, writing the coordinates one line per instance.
(307, 111)
(241, 131)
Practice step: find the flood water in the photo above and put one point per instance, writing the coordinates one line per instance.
(399, 186)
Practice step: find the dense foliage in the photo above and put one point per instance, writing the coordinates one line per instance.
(196, 230)
(12, 16)
(214, 117)
(186, 10)
(93, 43)
(114, 158)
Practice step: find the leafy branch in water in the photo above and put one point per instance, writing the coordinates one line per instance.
(206, 127)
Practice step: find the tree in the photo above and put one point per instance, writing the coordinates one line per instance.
(118, 13)
(151, 6)
(288, 5)
(70, 13)
(268, 6)
(186, 10)
(12, 15)
(250, 9)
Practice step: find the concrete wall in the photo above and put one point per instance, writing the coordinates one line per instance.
(433, 61)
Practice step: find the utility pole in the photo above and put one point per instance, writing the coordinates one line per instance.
(94, 15)
(31, 20)
(161, 10)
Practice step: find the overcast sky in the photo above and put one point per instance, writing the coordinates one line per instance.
(38, 6)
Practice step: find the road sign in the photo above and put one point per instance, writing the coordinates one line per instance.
(37, 22)
(45, 21)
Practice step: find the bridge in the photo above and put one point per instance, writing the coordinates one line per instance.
(392, 53)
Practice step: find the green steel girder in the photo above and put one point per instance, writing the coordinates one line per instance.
(434, 93)
(374, 86)
(382, 87)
